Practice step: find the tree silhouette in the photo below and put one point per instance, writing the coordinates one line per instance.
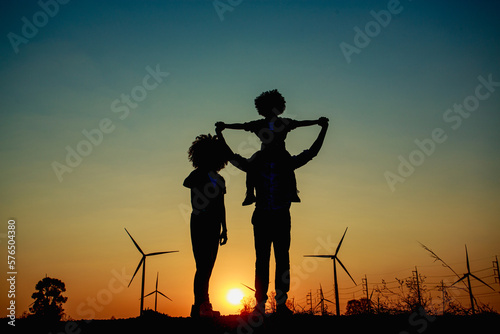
(359, 306)
(49, 300)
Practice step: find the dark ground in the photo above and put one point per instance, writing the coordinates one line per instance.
(299, 323)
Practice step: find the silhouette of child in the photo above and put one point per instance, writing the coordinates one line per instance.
(272, 131)
(208, 156)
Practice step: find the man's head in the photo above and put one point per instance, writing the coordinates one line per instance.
(270, 104)
(207, 152)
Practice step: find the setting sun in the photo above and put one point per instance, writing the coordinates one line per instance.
(234, 296)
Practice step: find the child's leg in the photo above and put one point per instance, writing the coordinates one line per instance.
(249, 197)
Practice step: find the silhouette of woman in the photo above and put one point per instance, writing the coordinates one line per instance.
(208, 215)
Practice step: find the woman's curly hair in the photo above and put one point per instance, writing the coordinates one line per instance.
(208, 152)
(270, 103)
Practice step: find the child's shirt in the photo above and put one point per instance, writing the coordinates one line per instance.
(271, 133)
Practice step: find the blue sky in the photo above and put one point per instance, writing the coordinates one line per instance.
(396, 90)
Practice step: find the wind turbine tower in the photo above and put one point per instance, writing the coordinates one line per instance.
(143, 264)
(322, 301)
(335, 259)
(156, 292)
(468, 275)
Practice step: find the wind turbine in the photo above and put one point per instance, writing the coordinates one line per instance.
(335, 260)
(322, 300)
(248, 287)
(143, 264)
(467, 275)
(156, 292)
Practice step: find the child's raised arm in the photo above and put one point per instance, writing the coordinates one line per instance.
(235, 159)
(299, 124)
(233, 126)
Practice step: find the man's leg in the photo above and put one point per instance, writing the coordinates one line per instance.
(281, 243)
(262, 241)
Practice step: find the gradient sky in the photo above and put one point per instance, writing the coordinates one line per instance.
(395, 90)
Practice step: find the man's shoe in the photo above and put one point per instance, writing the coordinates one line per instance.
(283, 311)
(259, 309)
(203, 311)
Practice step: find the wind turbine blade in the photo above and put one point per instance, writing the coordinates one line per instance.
(326, 256)
(346, 270)
(340, 243)
(158, 253)
(140, 263)
(467, 258)
(161, 293)
(149, 294)
(461, 279)
(326, 300)
(480, 280)
(249, 287)
(135, 243)
(156, 281)
(317, 305)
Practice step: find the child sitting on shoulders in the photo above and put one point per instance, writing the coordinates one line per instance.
(272, 131)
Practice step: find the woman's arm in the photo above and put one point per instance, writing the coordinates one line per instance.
(223, 234)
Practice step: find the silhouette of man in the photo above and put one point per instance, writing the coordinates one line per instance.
(271, 171)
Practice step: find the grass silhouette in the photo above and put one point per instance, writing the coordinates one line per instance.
(299, 323)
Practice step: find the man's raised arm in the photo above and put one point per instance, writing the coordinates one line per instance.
(307, 155)
(316, 146)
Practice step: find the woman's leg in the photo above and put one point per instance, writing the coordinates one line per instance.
(205, 242)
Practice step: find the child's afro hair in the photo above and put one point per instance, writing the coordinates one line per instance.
(208, 152)
(270, 103)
